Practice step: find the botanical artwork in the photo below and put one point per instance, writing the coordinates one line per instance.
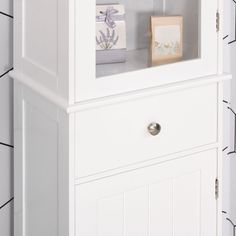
(110, 35)
(110, 27)
(167, 40)
(107, 40)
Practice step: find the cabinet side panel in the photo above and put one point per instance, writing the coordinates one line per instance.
(40, 162)
(41, 46)
(41, 166)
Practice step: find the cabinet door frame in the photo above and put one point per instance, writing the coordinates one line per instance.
(88, 87)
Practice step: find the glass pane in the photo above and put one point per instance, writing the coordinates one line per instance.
(134, 35)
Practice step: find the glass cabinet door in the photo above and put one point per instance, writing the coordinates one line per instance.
(131, 45)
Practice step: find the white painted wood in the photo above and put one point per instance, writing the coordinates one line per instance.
(220, 156)
(136, 212)
(106, 208)
(69, 108)
(41, 48)
(42, 116)
(6, 107)
(6, 220)
(161, 204)
(116, 136)
(42, 168)
(6, 174)
(192, 205)
(139, 165)
(6, 40)
(187, 203)
(41, 53)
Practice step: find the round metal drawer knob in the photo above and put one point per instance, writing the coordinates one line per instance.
(154, 129)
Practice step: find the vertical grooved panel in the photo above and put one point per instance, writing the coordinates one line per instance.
(187, 204)
(161, 208)
(110, 216)
(137, 212)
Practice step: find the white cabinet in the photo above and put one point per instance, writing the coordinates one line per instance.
(122, 148)
(58, 50)
(100, 167)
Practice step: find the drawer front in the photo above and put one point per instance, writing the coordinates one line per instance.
(6, 174)
(117, 135)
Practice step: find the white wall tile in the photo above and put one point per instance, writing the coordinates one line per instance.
(6, 220)
(6, 6)
(6, 175)
(6, 39)
(6, 110)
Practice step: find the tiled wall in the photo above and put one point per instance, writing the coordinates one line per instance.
(229, 187)
(6, 120)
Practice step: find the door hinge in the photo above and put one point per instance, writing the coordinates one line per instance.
(217, 21)
(217, 188)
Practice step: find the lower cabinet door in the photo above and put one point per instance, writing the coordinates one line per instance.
(175, 198)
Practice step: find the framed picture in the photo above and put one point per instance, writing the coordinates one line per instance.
(167, 39)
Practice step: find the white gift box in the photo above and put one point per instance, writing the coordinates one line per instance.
(110, 34)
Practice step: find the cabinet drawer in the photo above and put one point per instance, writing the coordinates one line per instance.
(117, 135)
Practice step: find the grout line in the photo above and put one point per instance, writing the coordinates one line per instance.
(2, 13)
(225, 37)
(225, 149)
(5, 73)
(5, 144)
(6, 203)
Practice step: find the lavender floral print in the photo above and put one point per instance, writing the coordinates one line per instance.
(107, 40)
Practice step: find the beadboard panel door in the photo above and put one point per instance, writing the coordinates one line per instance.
(117, 135)
(170, 199)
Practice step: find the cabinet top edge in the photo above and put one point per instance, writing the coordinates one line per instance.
(64, 105)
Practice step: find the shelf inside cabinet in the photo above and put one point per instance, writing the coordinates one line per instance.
(148, 33)
(135, 60)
